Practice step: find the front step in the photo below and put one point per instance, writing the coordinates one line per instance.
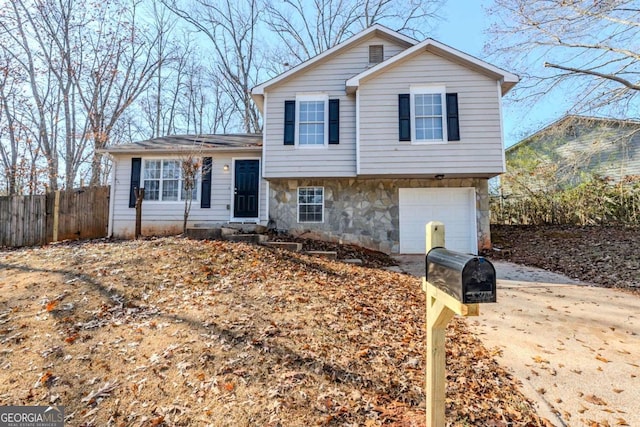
(242, 228)
(204, 233)
(247, 238)
(290, 246)
(324, 254)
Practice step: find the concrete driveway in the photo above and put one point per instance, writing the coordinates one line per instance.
(575, 347)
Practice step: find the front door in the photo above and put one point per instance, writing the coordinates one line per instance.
(246, 186)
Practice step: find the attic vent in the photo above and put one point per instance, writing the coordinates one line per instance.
(376, 53)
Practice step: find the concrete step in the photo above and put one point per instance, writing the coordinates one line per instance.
(290, 246)
(323, 254)
(247, 238)
(356, 261)
(246, 228)
(204, 233)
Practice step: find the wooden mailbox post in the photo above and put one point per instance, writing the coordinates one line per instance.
(447, 286)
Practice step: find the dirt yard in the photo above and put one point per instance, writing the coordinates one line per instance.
(603, 256)
(174, 332)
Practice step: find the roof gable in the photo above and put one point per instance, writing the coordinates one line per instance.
(507, 79)
(375, 30)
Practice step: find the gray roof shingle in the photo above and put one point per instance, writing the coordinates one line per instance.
(186, 143)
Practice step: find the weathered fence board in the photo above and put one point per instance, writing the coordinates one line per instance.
(28, 220)
(83, 213)
(22, 221)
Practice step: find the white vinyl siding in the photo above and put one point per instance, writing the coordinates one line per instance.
(166, 218)
(327, 77)
(479, 151)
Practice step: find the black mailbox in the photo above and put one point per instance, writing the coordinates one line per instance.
(470, 279)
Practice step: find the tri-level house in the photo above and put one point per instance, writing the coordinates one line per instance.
(364, 143)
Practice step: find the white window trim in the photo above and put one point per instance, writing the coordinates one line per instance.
(433, 90)
(198, 185)
(298, 205)
(312, 97)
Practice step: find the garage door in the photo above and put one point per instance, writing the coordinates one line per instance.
(455, 207)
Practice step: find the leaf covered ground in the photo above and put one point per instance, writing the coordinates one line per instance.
(603, 256)
(175, 332)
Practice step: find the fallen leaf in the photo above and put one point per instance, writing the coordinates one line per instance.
(156, 421)
(46, 377)
(591, 398)
(71, 339)
(539, 359)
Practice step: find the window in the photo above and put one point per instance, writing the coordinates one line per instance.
(312, 121)
(376, 53)
(310, 204)
(163, 181)
(311, 127)
(428, 114)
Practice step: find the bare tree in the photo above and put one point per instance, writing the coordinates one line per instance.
(309, 27)
(82, 66)
(231, 27)
(191, 168)
(18, 27)
(119, 71)
(587, 50)
(9, 130)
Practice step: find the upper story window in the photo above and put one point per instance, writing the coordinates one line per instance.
(312, 123)
(376, 53)
(163, 180)
(312, 120)
(428, 115)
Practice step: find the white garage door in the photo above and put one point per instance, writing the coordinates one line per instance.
(455, 207)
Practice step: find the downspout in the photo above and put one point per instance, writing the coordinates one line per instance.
(112, 196)
(357, 132)
(504, 160)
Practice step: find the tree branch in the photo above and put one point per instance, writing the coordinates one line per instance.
(613, 77)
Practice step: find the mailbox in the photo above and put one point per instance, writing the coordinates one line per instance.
(468, 278)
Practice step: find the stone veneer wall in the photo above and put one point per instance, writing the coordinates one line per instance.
(363, 211)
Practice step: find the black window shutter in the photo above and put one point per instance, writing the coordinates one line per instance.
(404, 116)
(289, 122)
(334, 121)
(205, 186)
(136, 166)
(453, 126)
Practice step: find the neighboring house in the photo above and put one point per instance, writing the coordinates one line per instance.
(572, 149)
(364, 143)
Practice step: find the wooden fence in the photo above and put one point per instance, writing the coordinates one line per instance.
(36, 220)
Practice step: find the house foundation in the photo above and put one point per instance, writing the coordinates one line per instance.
(364, 212)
